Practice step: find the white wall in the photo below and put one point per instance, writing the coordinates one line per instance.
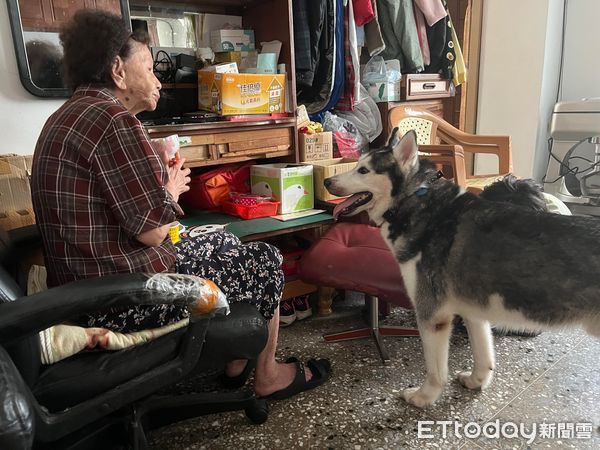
(22, 115)
(581, 67)
(518, 75)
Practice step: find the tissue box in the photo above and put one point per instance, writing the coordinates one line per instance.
(315, 146)
(328, 168)
(289, 184)
(385, 91)
(232, 40)
(244, 93)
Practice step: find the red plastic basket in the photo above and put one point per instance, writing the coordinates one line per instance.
(263, 209)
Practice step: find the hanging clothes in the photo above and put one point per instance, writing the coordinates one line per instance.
(441, 47)
(309, 21)
(399, 30)
(317, 108)
(432, 10)
(373, 37)
(352, 63)
(363, 11)
(459, 71)
(422, 34)
(315, 75)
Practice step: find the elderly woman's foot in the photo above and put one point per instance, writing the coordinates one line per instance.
(291, 378)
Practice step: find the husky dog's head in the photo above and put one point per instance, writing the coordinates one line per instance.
(380, 176)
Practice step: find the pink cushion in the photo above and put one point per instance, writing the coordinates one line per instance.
(355, 257)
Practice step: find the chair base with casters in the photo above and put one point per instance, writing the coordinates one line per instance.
(354, 256)
(373, 330)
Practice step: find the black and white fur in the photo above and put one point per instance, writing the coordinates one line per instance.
(487, 261)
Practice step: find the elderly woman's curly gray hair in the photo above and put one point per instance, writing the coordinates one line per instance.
(91, 41)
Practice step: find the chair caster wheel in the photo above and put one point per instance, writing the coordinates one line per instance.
(259, 412)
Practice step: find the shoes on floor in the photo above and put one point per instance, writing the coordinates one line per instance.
(287, 314)
(321, 370)
(302, 307)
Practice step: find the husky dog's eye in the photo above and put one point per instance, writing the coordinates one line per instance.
(363, 170)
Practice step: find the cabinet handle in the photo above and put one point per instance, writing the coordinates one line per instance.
(428, 85)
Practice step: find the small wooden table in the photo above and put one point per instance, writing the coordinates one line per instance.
(311, 227)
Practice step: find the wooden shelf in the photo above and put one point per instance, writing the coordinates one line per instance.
(236, 159)
(215, 127)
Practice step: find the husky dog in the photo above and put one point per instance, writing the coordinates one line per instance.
(459, 254)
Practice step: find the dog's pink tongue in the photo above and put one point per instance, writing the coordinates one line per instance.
(340, 207)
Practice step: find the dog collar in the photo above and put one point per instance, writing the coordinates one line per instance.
(421, 191)
(424, 188)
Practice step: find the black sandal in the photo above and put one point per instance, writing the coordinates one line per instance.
(239, 380)
(321, 370)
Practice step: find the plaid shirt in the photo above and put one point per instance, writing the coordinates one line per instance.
(96, 184)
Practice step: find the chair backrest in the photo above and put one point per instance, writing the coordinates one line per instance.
(25, 353)
(424, 128)
(432, 129)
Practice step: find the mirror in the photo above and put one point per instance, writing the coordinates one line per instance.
(35, 27)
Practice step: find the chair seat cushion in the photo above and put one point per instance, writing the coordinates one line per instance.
(355, 257)
(243, 333)
(88, 374)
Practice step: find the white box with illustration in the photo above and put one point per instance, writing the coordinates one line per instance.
(289, 184)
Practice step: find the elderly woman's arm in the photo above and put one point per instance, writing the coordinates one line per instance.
(177, 184)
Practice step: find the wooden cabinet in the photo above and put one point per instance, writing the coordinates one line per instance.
(232, 142)
(50, 15)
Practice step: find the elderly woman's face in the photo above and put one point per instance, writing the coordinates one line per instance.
(142, 87)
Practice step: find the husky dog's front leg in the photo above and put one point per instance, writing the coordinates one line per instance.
(480, 337)
(435, 335)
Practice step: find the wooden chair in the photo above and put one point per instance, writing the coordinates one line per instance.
(433, 131)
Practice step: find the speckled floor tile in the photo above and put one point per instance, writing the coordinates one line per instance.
(552, 377)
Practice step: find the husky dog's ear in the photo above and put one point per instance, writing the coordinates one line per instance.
(406, 152)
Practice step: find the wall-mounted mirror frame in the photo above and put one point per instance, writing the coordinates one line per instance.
(23, 60)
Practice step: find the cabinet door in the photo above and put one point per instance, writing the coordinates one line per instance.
(50, 15)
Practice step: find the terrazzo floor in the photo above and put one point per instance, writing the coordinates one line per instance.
(551, 382)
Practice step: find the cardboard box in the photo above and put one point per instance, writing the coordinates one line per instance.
(232, 40)
(385, 92)
(328, 168)
(315, 146)
(244, 93)
(16, 209)
(244, 60)
(289, 184)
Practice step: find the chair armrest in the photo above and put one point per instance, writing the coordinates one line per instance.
(473, 143)
(451, 156)
(31, 314)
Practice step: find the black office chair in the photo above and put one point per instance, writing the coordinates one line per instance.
(106, 399)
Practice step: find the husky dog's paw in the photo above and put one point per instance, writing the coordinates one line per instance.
(470, 380)
(420, 397)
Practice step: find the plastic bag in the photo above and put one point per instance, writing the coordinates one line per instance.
(210, 189)
(366, 116)
(349, 141)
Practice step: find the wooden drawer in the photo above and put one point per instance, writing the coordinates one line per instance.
(425, 86)
(238, 145)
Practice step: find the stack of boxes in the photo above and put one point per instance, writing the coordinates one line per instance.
(316, 150)
(243, 81)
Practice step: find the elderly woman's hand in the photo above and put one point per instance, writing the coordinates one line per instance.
(178, 179)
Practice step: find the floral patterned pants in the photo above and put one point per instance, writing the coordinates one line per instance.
(248, 273)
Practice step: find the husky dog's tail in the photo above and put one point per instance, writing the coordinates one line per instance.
(522, 192)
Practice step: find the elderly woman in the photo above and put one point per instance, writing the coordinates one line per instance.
(104, 200)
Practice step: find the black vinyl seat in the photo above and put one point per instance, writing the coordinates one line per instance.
(99, 399)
